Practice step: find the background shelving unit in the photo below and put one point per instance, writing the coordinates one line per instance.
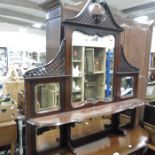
(3, 60)
(89, 65)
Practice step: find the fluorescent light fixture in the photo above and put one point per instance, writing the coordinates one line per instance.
(143, 20)
(22, 30)
(37, 25)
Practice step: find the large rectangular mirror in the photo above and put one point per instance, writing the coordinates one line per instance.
(92, 68)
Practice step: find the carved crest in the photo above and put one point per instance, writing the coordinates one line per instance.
(97, 14)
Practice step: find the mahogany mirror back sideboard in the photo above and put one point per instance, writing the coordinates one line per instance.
(77, 98)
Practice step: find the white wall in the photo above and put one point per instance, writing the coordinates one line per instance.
(15, 37)
(153, 41)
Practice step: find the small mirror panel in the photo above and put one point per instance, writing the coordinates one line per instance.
(92, 68)
(47, 138)
(47, 97)
(126, 88)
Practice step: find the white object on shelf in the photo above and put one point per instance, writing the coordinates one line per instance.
(76, 71)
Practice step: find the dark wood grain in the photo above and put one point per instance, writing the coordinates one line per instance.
(136, 139)
(83, 114)
(59, 27)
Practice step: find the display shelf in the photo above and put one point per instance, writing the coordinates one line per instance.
(89, 62)
(3, 60)
(77, 76)
(78, 91)
(83, 114)
(76, 61)
(100, 72)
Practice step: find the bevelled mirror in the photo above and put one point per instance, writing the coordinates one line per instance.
(127, 87)
(92, 68)
(47, 97)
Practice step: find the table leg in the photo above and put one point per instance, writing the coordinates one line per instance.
(12, 148)
(20, 127)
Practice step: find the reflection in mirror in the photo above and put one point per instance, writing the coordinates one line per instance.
(47, 97)
(89, 127)
(127, 84)
(47, 138)
(92, 68)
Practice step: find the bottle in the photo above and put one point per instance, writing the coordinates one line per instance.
(97, 65)
(75, 54)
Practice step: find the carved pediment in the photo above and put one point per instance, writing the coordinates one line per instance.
(101, 17)
(124, 66)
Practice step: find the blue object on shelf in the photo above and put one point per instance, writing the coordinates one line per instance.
(1, 86)
(109, 57)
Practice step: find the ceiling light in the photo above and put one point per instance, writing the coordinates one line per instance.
(22, 30)
(141, 19)
(37, 25)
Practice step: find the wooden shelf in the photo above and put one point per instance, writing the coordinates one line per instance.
(111, 144)
(99, 72)
(76, 60)
(77, 76)
(83, 114)
(78, 91)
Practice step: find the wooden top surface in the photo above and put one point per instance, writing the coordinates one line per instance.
(116, 145)
(83, 114)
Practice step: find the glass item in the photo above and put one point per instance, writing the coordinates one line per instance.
(47, 97)
(92, 71)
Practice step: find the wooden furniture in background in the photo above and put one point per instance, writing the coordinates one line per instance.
(13, 88)
(8, 135)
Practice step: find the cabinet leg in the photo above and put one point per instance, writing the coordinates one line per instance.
(115, 125)
(71, 148)
(12, 148)
(20, 127)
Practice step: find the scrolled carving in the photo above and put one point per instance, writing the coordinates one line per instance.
(54, 68)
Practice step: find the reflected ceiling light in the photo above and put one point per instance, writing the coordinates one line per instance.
(37, 25)
(116, 153)
(73, 2)
(97, 11)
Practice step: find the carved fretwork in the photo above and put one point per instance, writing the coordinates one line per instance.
(124, 66)
(103, 21)
(54, 68)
